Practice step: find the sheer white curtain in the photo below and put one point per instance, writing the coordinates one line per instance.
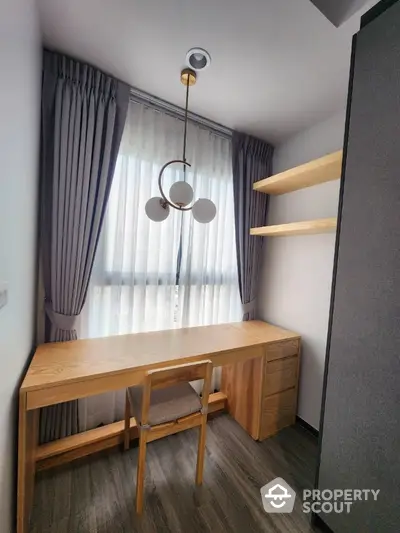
(150, 276)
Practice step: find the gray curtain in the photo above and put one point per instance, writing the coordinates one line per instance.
(251, 161)
(83, 116)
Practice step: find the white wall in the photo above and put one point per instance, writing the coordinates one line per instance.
(297, 271)
(19, 136)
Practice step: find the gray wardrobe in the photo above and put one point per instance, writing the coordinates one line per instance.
(360, 427)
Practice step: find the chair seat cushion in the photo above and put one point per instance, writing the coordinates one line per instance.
(167, 404)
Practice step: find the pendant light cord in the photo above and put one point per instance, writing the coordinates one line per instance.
(185, 130)
(179, 256)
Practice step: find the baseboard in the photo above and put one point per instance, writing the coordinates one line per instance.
(307, 426)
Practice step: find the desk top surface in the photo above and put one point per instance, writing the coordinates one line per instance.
(61, 362)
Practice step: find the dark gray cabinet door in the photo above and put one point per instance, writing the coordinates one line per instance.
(361, 424)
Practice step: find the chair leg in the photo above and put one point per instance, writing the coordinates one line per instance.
(201, 451)
(127, 422)
(140, 470)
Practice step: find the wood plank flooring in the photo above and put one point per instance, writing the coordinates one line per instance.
(97, 495)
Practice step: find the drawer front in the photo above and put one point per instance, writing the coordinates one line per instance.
(278, 411)
(280, 375)
(282, 349)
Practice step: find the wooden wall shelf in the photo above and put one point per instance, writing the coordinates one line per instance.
(306, 227)
(327, 168)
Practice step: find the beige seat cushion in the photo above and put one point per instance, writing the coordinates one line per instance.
(166, 405)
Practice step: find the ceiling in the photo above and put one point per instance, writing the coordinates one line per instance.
(278, 66)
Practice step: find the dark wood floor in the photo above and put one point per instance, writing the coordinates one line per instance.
(97, 495)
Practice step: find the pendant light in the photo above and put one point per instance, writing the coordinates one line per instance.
(180, 193)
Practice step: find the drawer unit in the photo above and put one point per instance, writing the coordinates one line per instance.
(278, 411)
(280, 375)
(262, 392)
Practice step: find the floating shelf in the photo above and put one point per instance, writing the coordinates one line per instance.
(327, 168)
(306, 227)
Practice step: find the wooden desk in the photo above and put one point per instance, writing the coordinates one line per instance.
(71, 370)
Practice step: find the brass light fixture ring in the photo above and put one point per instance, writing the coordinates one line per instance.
(160, 176)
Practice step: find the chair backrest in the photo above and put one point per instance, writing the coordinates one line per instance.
(165, 377)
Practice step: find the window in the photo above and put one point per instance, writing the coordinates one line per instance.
(151, 276)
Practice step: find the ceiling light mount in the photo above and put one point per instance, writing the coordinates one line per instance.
(198, 58)
(188, 74)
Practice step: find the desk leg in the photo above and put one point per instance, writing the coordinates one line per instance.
(28, 427)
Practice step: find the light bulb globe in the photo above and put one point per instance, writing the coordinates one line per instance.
(181, 193)
(155, 210)
(204, 210)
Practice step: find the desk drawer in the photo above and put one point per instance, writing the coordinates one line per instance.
(280, 375)
(282, 349)
(278, 411)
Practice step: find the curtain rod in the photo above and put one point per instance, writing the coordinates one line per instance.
(142, 97)
(162, 105)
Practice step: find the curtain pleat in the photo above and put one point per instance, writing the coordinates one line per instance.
(151, 276)
(83, 115)
(251, 162)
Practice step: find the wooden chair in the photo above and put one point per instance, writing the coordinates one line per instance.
(164, 405)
